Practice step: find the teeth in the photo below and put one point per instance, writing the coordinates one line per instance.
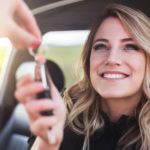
(114, 76)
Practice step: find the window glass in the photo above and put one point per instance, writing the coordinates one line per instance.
(5, 52)
(64, 47)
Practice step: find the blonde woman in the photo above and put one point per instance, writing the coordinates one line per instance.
(109, 108)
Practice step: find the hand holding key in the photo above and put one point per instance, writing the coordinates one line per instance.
(49, 129)
(41, 75)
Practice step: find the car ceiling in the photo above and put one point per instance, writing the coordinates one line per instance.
(56, 15)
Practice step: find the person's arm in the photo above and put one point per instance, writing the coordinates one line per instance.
(49, 130)
(39, 144)
(18, 24)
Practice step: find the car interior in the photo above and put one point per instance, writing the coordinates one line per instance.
(51, 15)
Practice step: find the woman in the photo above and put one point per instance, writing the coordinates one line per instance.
(109, 107)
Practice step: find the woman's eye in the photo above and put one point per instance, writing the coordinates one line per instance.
(100, 47)
(131, 47)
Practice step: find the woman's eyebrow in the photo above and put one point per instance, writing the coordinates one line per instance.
(100, 40)
(127, 40)
(106, 40)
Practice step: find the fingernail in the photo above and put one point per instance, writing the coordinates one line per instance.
(35, 43)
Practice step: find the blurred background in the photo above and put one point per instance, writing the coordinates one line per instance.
(62, 47)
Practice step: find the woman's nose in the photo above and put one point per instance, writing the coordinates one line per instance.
(113, 58)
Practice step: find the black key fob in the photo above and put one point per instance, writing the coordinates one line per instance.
(40, 75)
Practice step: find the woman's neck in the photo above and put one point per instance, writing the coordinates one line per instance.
(115, 108)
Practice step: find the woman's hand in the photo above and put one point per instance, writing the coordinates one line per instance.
(49, 129)
(18, 24)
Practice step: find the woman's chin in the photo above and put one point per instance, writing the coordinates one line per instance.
(112, 96)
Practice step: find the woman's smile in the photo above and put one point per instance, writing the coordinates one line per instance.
(117, 64)
(113, 75)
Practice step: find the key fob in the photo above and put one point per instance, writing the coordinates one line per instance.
(40, 75)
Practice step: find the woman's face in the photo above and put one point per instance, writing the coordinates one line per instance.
(117, 64)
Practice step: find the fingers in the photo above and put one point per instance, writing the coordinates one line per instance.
(54, 133)
(41, 126)
(26, 92)
(51, 137)
(48, 128)
(35, 107)
(24, 80)
(27, 20)
(19, 25)
(20, 37)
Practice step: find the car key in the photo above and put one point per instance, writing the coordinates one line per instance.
(41, 75)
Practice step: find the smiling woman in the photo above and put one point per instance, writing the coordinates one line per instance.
(108, 108)
(116, 61)
(114, 85)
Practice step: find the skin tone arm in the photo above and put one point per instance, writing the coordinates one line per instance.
(48, 129)
(18, 24)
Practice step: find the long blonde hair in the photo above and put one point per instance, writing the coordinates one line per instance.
(83, 102)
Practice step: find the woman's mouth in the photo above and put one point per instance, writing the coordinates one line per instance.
(114, 75)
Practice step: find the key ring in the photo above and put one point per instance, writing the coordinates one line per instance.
(31, 52)
(40, 70)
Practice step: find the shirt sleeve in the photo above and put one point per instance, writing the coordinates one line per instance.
(31, 141)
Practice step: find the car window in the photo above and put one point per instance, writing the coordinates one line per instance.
(64, 48)
(5, 52)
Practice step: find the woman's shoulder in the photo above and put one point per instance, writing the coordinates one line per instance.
(72, 140)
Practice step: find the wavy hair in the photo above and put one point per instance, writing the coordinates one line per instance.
(83, 102)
